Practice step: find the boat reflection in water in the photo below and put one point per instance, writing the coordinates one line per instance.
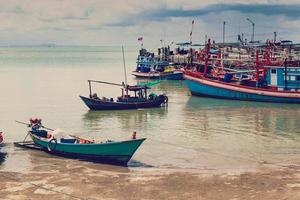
(122, 119)
(257, 117)
(250, 129)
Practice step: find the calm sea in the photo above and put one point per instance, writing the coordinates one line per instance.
(192, 133)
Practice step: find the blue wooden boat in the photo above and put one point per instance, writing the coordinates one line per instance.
(139, 100)
(173, 75)
(113, 152)
(219, 89)
(149, 66)
(265, 83)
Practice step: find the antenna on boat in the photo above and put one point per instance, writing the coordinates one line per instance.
(191, 33)
(124, 65)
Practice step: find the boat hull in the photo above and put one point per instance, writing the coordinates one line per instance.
(177, 75)
(216, 89)
(111, 152)
(94, 104)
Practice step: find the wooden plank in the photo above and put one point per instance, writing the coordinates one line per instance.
(27, 145)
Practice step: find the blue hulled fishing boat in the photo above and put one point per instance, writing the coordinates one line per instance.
(278, 84)
(156, 67)
(202, 86)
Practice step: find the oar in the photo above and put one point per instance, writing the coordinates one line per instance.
(50, 129)
(81, 138)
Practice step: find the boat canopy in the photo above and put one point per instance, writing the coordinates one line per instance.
(137, 87)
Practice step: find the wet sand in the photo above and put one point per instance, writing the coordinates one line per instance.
(52, 177)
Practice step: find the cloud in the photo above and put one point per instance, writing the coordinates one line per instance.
(289, 11)
(98, 22)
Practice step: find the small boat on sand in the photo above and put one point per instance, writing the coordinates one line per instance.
(60, 143)
(139, 100)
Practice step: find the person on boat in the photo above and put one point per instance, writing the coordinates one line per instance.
(134, 135)
(1, 137)
(94, 96)
(36, 125)
(140, 94)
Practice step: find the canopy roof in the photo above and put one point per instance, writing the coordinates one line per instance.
(137, 87)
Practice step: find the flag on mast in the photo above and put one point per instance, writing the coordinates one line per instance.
(141, 39)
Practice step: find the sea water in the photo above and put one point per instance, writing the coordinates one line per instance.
(191, 133)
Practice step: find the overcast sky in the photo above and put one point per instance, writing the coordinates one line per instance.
(114, 22)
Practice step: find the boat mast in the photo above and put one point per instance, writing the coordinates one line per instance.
(191, 33)
(90, 88)
(253, 25)
(285, 74)
(224, 23)
(257, 68)
(207, 57)
(126, 88)
(124, 65)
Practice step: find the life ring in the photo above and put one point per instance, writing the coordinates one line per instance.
(49, 146)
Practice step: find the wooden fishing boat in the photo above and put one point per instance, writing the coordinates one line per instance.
(173, 75)
(107, 152)
(61, 143)
(276, 84)
(151, 67)
(218, 89)
(139, 100)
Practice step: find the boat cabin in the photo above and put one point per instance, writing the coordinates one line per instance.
(129, 93)
(140, 93)
(285, 78)
(147, 62)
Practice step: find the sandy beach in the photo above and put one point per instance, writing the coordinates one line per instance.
(56, 178)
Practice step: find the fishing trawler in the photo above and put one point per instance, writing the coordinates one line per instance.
(278, 83)
(152, 67)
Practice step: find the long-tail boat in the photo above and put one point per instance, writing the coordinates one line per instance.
(59, 143)
(277, 84)
(139, 99)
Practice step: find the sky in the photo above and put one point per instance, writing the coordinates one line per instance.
(115, 22)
